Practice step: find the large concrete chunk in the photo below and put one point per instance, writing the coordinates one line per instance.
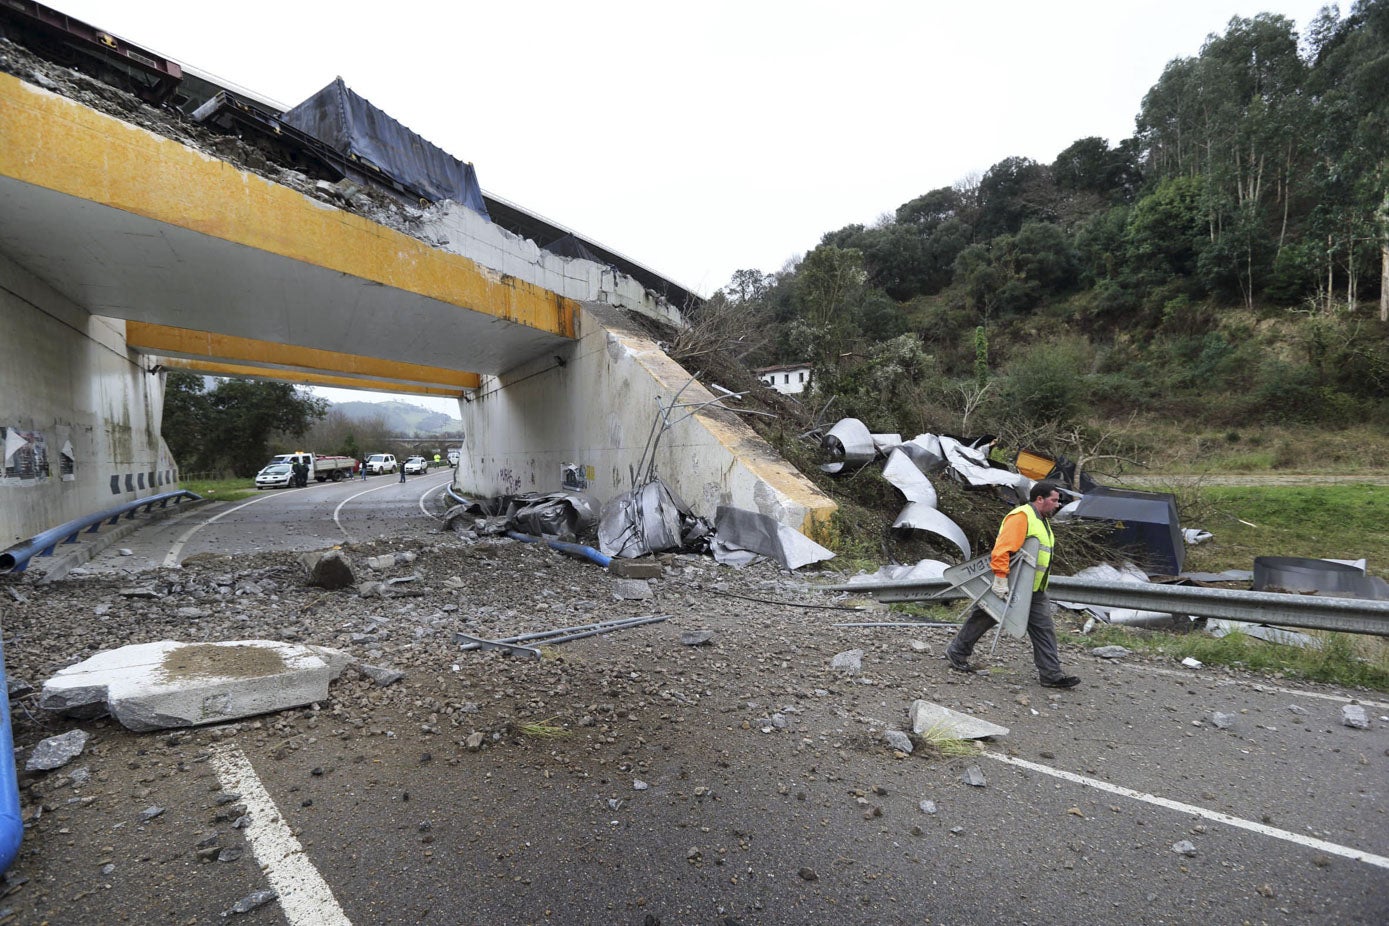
(151, 686)
(951, 724)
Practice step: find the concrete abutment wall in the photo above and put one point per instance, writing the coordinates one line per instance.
(594, 405)
(82, 405)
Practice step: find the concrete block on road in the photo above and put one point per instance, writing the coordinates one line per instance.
(153, 686)
(927, 717)
(328, 569)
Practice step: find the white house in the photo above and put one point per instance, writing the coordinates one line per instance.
(791, 378)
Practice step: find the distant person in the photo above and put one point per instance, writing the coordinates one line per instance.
(301, 474)
(437, 461)
(402, 473)
(1029, 520)
(364, 469)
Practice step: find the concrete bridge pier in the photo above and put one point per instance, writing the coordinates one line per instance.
(593, 404)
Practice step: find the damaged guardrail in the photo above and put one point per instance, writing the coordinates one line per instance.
(1308, 612)
(16, 558)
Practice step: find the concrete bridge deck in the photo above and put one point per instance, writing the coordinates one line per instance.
(123, 250)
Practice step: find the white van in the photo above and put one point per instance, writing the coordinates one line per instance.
(379, 463)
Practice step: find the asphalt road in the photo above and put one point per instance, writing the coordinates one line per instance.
(316, 516)
(740, 782)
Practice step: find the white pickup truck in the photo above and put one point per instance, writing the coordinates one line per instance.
(322, 467)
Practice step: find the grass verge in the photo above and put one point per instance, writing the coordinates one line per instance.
(224, 490)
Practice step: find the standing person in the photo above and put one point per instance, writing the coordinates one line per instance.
(402, 472)
(364, 469)
(1029, 520)
(301, 474)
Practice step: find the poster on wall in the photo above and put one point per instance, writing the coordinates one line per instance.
(26, 456)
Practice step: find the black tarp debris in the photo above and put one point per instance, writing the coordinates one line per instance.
(1145, 525)
(351, 125)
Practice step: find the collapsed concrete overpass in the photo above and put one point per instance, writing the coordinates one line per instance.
(123, 251)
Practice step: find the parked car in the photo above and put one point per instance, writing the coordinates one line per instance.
(275, 476)
(416, 466)
(454, 454)
(379, 463)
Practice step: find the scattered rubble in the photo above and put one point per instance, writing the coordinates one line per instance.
(56, 751)
(1353, 716)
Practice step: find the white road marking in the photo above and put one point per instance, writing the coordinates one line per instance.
(305, 897)
(1330, 848)
(171, 560)
(430, 491)
(1192, 674)
(349, 498)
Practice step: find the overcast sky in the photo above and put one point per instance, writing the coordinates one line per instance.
(703, 138)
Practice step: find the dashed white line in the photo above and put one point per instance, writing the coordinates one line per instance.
(305, 897)
(1330, 848)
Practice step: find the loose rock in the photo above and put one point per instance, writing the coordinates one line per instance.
(56, 751)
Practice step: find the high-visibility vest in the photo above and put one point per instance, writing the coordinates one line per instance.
(1038, 527)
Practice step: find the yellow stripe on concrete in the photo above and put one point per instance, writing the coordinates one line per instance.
(62, 145)
(187, 342)
(308, 379)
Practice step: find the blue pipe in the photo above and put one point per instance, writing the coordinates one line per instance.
(573, 549)
(17, 557)
(11, 823)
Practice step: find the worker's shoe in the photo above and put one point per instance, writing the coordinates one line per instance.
(1064, 681)
(961, 664)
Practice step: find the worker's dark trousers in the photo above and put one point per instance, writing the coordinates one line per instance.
(1039, 629)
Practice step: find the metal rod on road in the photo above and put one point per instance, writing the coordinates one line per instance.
(566, 632)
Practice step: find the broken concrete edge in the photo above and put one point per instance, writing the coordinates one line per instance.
(135, 687)
(936, 721)
(56, 567)
(710, 458)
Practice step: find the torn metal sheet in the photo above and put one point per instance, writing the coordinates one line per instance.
(1194, 535)
(883, 443)
(922, 517)
(639, 523)
(925, 451)
(738, 530)
(921, 571)
(566, 515)
(1218, 627)
(972, 465)
(848, 444)
(903, 473)
(1128, 617)
(1318, 576)
(920, 512)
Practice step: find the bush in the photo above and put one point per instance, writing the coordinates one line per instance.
(1044, 383)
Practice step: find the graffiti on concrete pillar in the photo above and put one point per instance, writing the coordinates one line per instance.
(26, 455)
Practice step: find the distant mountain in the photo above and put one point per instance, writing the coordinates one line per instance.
(401, 418)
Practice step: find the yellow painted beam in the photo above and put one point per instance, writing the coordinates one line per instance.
(308, 379)
(187, 342)
(57, 143)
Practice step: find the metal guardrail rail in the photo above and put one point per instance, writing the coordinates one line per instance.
(16, 558)
(1309, 612)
